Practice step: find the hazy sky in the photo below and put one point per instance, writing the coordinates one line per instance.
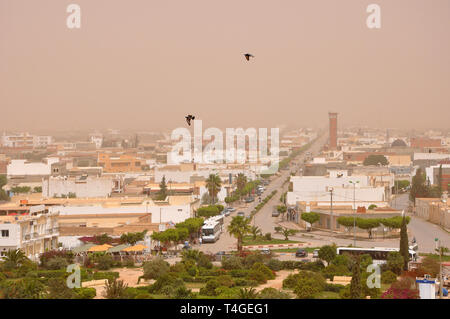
(146, 64)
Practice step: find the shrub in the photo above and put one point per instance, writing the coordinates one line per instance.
(56, 263)
(268, 273)
(225, 280)
(333, 288)
(275, 264)
(155, 268)
(395, 262)
(104, 262)
(268, 236)
(210, 288)
(239, 273)
(388, 277)
(233, 262)
(272, 293)
(85, 293)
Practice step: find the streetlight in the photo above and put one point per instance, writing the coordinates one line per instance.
(331, 208)
(354, 214)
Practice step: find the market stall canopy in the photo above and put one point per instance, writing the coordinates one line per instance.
(135, 248)
(99, 248)
(118, 248)
(82, 248)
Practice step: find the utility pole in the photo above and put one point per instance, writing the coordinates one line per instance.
(331, 209)
(354, 212)
(440, 271)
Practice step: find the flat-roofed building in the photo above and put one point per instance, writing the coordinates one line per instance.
(33, 229)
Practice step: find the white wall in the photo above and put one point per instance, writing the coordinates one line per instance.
(175, 213)
(22, 167)
(92, 187)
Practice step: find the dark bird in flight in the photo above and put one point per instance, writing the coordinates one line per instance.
(248, 56)
(189, 118)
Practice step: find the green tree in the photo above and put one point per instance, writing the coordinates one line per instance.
(213, 184)
(355, 284)
(286, 232)
(14, 259)
(132, 238)
(282, 210)
(310, 218)
(418, 187)
(239, 227)
(347, 222)
(255, 231)
(155, 268)
(162, 193)
(241, 181)
(327, 253)
(439, 182)
(368, 224)
(375, 160)
(404, 246)
(394, 262)
(193, 225)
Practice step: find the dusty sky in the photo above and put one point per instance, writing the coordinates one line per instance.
(145, 64)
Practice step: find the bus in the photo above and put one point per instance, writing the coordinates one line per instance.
(211, 232)
(379, 254)
(218, 218)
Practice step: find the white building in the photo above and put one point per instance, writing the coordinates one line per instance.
(26, 168)
(25, 140)
(33, 233)
(82, 186)
(317, 189)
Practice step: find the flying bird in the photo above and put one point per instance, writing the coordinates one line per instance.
(189, 118)
(248, 56)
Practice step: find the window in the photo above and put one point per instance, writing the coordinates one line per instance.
(5, 233)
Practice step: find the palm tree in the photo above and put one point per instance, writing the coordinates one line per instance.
(241, 181)
(15, 258)
(255, 231)
(239, 227)
(248, 293)
(213, 184)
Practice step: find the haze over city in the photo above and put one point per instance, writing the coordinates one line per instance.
(146, 64)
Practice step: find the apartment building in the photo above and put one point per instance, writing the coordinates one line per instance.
(33, 229)
(25, 140)
(81, 186)
(119, 163)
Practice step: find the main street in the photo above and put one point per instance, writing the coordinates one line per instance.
(424, 231)
(263, 219)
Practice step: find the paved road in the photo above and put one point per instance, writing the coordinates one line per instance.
(424, 231)
(264, 218)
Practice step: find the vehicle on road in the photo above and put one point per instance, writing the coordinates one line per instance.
(316, 253)
(211, 231)
(275, 213)
(265, 251)
(249, 199)
(379, 254)
(231, 209)
(301, 253)
(241, 214)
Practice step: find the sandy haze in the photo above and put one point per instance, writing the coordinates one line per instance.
(146, 64)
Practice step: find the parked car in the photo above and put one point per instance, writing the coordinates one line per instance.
(275, 213)
(249, 199)
(231, 209)
(242, 214)
(265, 251)
(316, 253)
(301, 253)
